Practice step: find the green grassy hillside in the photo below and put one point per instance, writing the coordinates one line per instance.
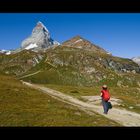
(77, 67)
(23, 106)
(18, 63)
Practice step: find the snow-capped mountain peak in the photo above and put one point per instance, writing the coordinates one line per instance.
(39, 39)
(41, 25)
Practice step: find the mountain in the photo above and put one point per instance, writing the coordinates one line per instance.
(71, 65)
(19, 63)
(81, 43)
(136, 60)
(7, 52)
(39, 39)
(76, 61)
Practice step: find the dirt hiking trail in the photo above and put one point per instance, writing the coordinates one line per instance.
(121, 116)
(30, 74)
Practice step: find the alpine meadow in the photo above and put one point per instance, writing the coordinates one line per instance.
(47, 83)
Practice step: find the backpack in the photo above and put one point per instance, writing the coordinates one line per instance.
(109, 105)
(106, 95)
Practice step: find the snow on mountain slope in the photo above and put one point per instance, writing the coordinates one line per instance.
(31, 46)
(41, 37)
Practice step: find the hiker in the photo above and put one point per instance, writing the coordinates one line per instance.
(105, 98)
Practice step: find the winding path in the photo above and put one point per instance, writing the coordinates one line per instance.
(121, 116)
(30, 74)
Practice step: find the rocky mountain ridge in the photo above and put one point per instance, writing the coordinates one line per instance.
(39, 39)
(81, 43)
(76, 61)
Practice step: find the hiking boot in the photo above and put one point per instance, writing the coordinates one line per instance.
(105, 112)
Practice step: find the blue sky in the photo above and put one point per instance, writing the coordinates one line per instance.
(117, 33)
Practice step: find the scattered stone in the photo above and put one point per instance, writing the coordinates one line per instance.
(124, 70)
(133, 71)
(104, 77)
(15, 89)
(119, 83)
(77, 113)
(58, 62)
(91, 76)
(131, 107)
(111, 78)
(138, 83)
(95, 122)
(128, 71)
(7, 72)
(90, 70)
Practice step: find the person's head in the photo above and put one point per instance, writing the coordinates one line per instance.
(104, 87)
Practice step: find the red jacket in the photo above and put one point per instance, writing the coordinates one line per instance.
(105, 95)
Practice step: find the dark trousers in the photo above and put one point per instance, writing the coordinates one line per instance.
(105, 106)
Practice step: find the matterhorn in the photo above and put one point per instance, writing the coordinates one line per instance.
(39, 39)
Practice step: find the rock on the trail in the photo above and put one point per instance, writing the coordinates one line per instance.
(131, 107)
